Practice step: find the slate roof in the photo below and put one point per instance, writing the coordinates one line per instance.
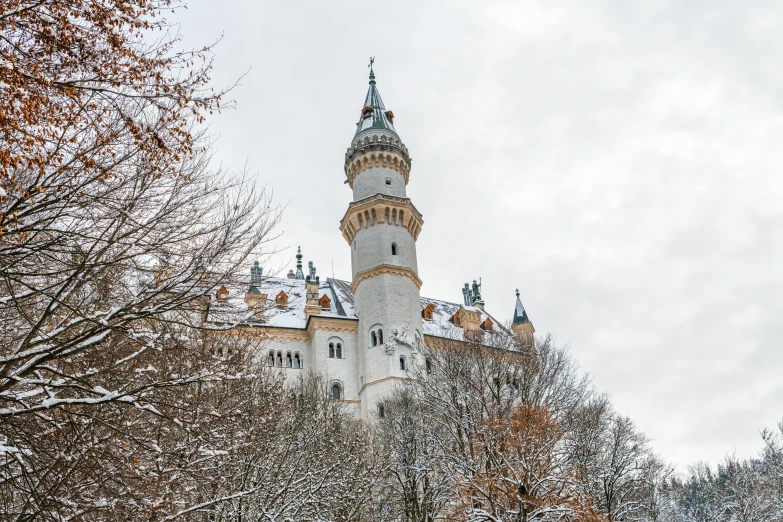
(379, 120)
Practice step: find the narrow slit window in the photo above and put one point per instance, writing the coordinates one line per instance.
(394, 249)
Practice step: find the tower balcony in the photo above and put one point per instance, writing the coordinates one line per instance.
(381, 209)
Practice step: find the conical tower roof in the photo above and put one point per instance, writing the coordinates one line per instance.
(520, 315)
(374, 115)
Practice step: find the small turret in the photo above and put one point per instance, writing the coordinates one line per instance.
(521, 324)
(256, 273)
(299, 273)
(312, 288)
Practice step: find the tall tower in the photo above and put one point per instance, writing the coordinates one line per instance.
(381, 226)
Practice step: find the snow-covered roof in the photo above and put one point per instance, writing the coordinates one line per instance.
(341, 306)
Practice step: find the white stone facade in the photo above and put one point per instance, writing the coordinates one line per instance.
(363, 335)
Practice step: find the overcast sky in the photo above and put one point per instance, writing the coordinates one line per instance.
(619, 162)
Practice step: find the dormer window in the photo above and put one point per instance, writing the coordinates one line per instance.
(455, 320)
(222, 294)
(427, 312)
(281, 299)
(367, 112)
(325, 303)
(487, 325)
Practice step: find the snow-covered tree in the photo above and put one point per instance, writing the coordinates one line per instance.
(113, 233)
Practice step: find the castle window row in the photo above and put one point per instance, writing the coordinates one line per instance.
(222, 353)
(288, 360)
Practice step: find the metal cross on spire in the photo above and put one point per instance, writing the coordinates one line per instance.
(372, 74)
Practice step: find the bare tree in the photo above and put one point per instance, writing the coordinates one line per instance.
(114, 232)
(500, 414)
(417, 486)
(293, 454)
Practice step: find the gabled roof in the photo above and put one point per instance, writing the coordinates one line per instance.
(379, 120)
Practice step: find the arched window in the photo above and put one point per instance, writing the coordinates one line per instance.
(380, 336)
(394, 249)
(279, 361)
(428, 366)
(380, 411)
(271, 360)
(297, 362)
(373, 339)
(403, 366)
(337, 391)
(289, 362)
(338, 351)
(331, 350)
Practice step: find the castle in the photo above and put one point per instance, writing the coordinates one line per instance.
(365, 334)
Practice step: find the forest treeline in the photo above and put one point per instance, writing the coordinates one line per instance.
(118, 403)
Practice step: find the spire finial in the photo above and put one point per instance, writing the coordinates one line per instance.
(299, 273)
(517, 293)
(372, 74)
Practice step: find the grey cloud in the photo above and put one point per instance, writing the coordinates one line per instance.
(617, 161)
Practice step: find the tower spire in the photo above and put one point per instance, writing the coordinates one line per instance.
(520, 315)
(522, 325)
(374, 114)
